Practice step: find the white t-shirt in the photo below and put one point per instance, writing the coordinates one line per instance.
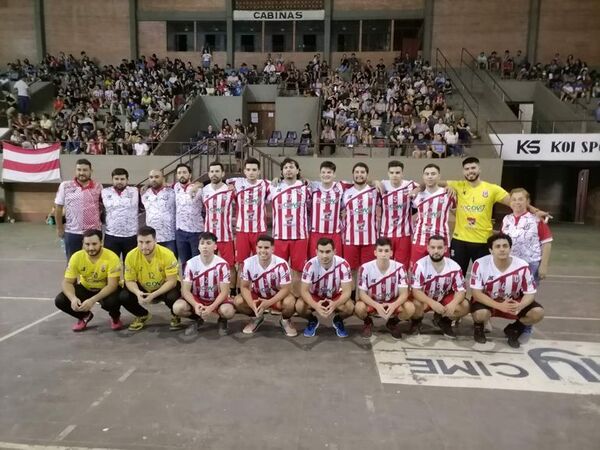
(22, 88)
(141, 148)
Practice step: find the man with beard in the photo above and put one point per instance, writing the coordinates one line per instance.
(188, 216)
(438, 284)
(159, 202)
(218, 199)
(92, 276)
(121, 206)
(80, 198)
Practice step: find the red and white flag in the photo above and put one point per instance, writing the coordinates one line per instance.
(26, 165)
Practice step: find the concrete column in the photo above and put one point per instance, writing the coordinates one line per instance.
(133, 29)
(40, 29)
(230, 35)
(327, 33)
(428, 30)
(533, 29)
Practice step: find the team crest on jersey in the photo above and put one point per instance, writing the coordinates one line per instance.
(515, 279)
(103, 268)
(485, 194)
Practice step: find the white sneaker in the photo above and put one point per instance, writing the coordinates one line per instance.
(288, 328)
(253, 325)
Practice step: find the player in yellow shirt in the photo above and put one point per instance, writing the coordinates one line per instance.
(151, 276)
(475, 200)
(92, 276)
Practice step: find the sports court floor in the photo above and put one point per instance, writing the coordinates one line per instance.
(159, 389)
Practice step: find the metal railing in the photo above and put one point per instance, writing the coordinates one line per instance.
(468, 61)
(494, 138)
(270, 167)
(546, 126)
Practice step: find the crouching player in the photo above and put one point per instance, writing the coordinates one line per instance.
(326, 288)
(503, 286)
(438, 285)
(383, 291)
(205, 288)
(266, 284)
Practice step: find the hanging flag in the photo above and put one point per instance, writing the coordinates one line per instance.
(40, 165)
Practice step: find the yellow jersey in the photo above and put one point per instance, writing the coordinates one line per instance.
(94, 275)
(150, 275)
(474, 207)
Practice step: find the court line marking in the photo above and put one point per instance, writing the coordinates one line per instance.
(26, 327)
(593, 319)
(64, 433)
(17, 446)
(45, 299)
(33, 260)
(126, 375)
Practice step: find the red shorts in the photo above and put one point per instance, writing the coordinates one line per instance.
(275, 306)
(228, 301)
(357, 255)
(245, 245)
(314, 238)
(447, 299)
(318, 299)
(401, 248)
(371, 310)
(226, 250)
(292, 250)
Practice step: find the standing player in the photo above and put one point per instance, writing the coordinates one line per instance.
(266, 283)
(159, 202)
(121, 206)
(218, 206)
(503, 286)
(359, 209)
(188, 214)
(205, 289)
(326, 288)
(433, 207)
(396, 214)
(289, 200)
(383, 290)
(438, 284)
(326, 199)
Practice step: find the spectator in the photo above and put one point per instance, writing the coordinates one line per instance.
(23, 99)
(437, 147)
(421, 147)
(140, 147)
(327, 140)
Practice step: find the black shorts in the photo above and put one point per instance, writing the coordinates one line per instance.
(476, 306)
(463, 252)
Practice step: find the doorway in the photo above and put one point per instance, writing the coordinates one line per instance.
(262, 115)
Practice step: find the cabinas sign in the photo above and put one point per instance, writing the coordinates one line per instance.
(310, 14)
(543, 366)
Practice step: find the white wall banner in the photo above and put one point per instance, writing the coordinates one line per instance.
(548, 147)
(565, 367)
(309, 14)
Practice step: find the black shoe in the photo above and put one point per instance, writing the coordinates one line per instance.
(479, 333)
(436, 319)
(194, 327)
(415, 326)
(514, 330)
(392, 323)
(514, 343)
(223, 331)
(445, 324)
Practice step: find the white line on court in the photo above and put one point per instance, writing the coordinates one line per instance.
(370, 404)
(64, 433)
(27, 298)
(572, 318)
(126, 375)
(587, 277)
(33, 260)
(100, 399)
(17, 446)
(26, 327)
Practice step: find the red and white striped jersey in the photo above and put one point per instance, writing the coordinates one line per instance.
(360, 221)
(326, 283)
(266, 283)
(206, 279)
(396, 215)
(436, 285)
(528, 233)
(250, 199)
(382, 287)
(513, 282)
(290, 203)
(325, 207)
(432, 215)
(218, 211)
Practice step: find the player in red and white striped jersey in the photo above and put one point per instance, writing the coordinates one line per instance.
(433, 210)
(218, 200)
(503, 286)
(383, 290)
(326, 288)
(205, 287)
(289, 199)
(359, 210)
(396, 211)
(251, 196)
(438, 284)
(326, 200)
(266, 284)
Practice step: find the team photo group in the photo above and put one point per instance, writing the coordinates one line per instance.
(372, 247)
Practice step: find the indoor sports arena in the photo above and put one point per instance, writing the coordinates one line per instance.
(299, 224)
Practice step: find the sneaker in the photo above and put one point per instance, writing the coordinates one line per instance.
(479, 333)
(194, 327)
(288, 328)
(513, 331)
(395, 332)
(175, 323)
(367, 329)
(139, 322)
(445, 324)
(81, 324)
(415, 326)
(116, 324)
(340, 329)
(223, 331)
(526, 335)
(436, 319)
(253, 325)
(311, 328)
(392, 323)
